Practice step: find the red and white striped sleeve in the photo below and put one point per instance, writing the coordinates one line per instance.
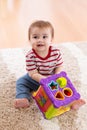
(30, 62)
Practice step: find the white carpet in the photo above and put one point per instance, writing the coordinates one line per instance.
(12, 66)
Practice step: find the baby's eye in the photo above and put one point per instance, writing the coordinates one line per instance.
(45, 37)
(35, 37)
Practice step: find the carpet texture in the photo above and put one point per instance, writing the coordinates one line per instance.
(12, 66)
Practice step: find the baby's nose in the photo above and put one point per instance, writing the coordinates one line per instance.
(40, 39)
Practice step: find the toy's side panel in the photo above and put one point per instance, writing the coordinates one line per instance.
(42, 99)
(52, 111)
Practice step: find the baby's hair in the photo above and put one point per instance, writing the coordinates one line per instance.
(41, 24)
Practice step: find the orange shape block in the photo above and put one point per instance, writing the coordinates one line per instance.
(59, 95)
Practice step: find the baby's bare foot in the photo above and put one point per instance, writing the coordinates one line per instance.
(77, 104)
(21, 103)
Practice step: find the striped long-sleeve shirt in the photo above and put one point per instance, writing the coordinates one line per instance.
(45, 66)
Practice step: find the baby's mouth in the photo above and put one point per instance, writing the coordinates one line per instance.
(40, 45)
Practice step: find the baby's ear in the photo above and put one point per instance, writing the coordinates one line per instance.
(51, 40)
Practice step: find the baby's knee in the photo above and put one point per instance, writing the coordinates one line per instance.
(19, 81)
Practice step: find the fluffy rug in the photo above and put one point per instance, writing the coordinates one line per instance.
(12, 66)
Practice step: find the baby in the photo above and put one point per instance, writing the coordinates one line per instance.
(41, 61)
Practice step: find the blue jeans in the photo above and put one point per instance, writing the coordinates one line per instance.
(24, 86)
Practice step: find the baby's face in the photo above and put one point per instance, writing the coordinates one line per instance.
(40, 39)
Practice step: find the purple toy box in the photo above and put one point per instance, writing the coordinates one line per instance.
(55, 95)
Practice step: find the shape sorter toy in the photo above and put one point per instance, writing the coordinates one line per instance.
(55, 95)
